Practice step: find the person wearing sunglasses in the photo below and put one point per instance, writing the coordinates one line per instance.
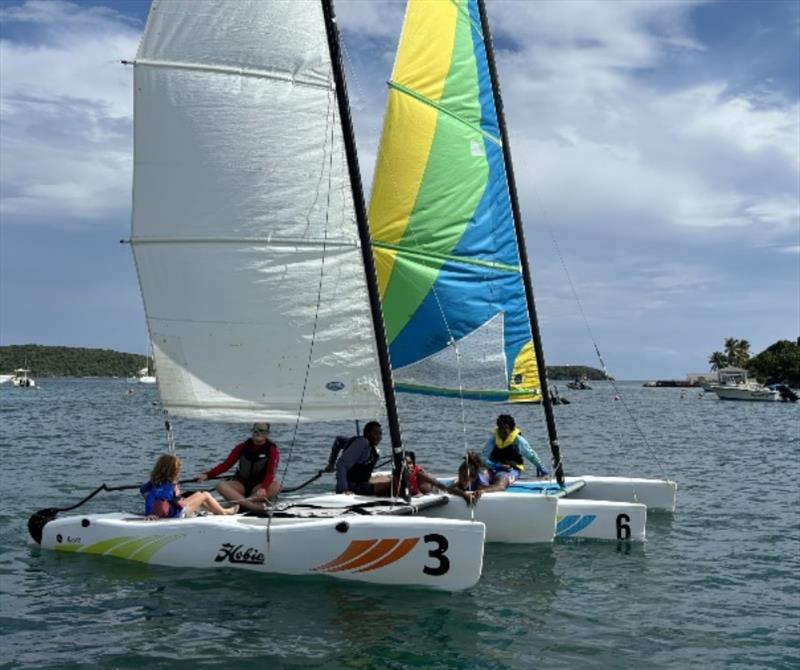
(254, 481)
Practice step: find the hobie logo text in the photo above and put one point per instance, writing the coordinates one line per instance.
(235, 554)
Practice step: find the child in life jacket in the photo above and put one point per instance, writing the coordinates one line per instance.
(163, 495)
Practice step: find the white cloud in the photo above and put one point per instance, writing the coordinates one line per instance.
(66, 105)
(707, 113)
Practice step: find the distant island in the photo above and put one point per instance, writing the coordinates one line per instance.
(574, 372)
(45, 361)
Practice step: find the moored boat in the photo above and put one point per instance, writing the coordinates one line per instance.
(746, 391)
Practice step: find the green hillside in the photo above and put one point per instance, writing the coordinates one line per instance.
(574, 372)
(46, 361)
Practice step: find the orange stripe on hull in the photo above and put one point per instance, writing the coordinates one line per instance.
(376, 553)
(354, 549)
(395, 555)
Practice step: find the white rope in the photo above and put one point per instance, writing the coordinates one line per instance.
(546, 219)
(329, 132)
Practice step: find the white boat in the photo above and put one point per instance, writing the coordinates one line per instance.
(746, 391)
(22, 378)
(452, 266)
(734, 385)
(253, 257)
(144, 377)
(6, 378)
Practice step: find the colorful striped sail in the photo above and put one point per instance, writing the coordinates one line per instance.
(441, 221)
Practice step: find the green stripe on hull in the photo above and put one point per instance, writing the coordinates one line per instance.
(140, 549)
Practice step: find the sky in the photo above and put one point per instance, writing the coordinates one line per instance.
(656, 148)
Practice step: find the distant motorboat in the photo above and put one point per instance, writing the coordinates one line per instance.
(579, 384)
(144, 377)
(6, 378)
(749, 391)
(736, 386)
(22, 378)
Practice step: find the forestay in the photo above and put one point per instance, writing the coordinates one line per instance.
(441, 220)
(244, 231)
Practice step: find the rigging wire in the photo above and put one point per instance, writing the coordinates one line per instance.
(617, 391)
(329, 132)
(394, 491)
(451, 340)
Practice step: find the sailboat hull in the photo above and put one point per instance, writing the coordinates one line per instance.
(656, 494)
(438, 554)
(601, 520)
(518, 518)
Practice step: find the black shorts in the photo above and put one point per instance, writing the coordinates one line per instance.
(249, 487)
(362, 488)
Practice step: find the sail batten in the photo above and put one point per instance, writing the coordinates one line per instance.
(441, 219)
(416, 95)
(237, 71)
(244, 229)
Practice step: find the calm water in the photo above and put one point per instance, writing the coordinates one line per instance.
(715, 585)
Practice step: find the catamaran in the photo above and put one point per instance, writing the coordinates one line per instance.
(454, 276)
(253, 256)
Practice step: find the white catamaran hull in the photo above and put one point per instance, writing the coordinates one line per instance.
(443, 554)
(591, 507)
(601, 520)
(509, 517)
(656, 494)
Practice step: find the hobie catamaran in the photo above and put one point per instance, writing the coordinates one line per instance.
(453, 272)
(251, 245)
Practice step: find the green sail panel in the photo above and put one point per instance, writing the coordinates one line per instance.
(441, 221)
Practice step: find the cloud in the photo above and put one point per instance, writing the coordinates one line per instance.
(66, 105)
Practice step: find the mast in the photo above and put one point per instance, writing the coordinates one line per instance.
(366, 244)
(523, 255)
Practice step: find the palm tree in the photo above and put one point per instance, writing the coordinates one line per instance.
(744, 353)
(718, 360)
(731, 344)
(737, 351)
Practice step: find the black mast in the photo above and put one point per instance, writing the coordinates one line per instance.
(523, 255)
(366, 243)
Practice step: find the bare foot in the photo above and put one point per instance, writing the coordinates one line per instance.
(232, 510)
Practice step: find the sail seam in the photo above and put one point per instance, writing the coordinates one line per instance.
(432, 103)
(239, 71)
(500, 267)
(505, 392)
(272, 241)
(475, 25)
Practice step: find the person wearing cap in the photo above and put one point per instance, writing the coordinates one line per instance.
(254, 481)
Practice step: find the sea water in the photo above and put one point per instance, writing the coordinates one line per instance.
(714, 586)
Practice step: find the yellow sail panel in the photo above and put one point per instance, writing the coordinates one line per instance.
(422, 64)
(424, 54)
(525, 376)
(408, 132)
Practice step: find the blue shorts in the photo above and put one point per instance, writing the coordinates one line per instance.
(511, 475)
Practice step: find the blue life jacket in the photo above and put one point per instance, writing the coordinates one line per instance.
(162, 492)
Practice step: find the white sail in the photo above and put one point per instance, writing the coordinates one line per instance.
(244, 231)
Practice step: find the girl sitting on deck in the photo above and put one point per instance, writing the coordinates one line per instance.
(163, 495)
